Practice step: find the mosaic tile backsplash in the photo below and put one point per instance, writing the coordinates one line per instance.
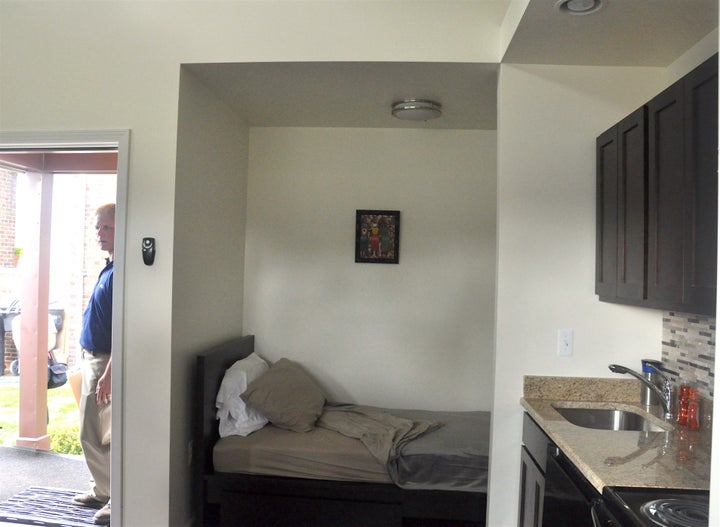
(688, 350)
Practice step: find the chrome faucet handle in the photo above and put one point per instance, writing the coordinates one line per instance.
(665, 394)
(668, 393)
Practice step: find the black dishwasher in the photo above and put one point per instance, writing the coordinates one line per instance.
(570, 500)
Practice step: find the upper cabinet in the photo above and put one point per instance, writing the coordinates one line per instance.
(657, 200)
(621, 210)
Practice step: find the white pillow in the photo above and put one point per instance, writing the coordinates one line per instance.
(236, 418)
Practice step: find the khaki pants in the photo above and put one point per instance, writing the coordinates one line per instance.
(94, 429)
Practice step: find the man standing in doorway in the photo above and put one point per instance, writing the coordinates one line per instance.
(95, 400)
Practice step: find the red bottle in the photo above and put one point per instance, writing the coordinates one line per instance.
(693, 419)
(688, 407)
(683, 405)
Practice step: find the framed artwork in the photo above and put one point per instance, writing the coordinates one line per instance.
(377, 236)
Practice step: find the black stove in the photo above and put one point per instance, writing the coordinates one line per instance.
(649, 507)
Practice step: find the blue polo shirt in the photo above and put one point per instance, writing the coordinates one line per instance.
(96, 333)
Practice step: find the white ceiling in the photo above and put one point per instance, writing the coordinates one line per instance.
(621, 33)
(353, 94)
(360, 94)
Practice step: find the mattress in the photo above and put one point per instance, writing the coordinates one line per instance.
(317, 454)
(453, 457)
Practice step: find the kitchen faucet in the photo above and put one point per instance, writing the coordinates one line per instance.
(664, 394)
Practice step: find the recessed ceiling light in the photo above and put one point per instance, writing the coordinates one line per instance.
(578, 7)
(416, 110)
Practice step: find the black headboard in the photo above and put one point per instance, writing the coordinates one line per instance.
(209, 371)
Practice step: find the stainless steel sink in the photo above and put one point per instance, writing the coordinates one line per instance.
(608, 419)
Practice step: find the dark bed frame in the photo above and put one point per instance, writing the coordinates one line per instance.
(226, 500)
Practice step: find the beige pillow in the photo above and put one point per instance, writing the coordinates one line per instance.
(287, 396)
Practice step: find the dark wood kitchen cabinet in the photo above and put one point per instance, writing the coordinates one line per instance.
(532, 490)
(701, 178)
(657, 200)
(621, 210)
(533, 459)
(682, 185)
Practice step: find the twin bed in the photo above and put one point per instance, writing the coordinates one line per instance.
(352, 466)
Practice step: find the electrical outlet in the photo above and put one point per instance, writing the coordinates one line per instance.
(565, 343)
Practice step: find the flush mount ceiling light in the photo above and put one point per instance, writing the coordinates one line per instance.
(578, 7)
(416, 110)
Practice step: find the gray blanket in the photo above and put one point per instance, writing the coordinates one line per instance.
(383, 434)
(421, 449)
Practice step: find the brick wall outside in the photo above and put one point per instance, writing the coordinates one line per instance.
(7, 218)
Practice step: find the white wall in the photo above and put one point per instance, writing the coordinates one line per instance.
(692, 57)
(208, 259)
(546, 240)
(415, 334)
(115, 65)
(548, 119)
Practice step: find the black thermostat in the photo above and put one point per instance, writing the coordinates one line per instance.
(148, 250)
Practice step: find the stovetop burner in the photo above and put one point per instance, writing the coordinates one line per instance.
(677, 512)
(655, 507)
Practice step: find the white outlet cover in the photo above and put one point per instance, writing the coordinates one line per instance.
(565, 343)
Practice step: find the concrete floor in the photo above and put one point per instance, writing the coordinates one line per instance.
(21, 468)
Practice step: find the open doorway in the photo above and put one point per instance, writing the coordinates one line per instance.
(83, 171)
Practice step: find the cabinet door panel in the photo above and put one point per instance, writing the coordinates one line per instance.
(606, 212)
(665, 196)
(632, 207)
(701, 184)
(532, 488)
(621, 210)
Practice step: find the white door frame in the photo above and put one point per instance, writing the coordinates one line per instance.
(119, 139)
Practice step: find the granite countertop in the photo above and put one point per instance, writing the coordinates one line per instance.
(676, 458)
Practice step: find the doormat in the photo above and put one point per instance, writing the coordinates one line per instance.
(46, 506)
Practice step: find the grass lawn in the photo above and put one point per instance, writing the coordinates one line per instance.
(62, 409)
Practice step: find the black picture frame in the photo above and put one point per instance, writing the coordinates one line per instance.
(377, 236)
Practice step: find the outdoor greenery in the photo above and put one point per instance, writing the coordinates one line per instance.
(63, 417)
(64, 439)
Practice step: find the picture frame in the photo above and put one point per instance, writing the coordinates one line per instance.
(377, 236)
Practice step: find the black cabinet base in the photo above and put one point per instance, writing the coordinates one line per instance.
(257, 510)
(262, 501)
